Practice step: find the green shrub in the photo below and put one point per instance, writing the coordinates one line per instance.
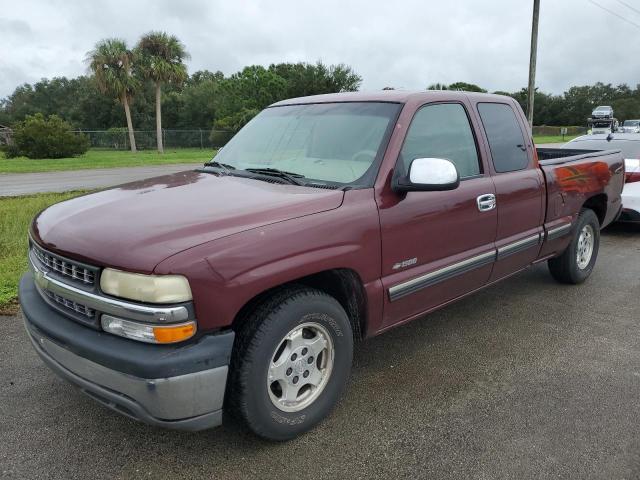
(117, 137)
(11, 150)
(235, 122)
(219, 138)
(50, 137)
(225, 128)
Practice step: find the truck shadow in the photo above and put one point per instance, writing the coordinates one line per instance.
(622, 230)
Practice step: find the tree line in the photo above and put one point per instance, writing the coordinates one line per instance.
(572, 107)
(158, 60)
(148, 87)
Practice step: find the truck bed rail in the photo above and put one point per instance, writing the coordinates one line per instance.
(559, 156)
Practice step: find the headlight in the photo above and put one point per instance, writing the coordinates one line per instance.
(145, 288)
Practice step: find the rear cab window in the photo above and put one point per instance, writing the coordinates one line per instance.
(506, 141)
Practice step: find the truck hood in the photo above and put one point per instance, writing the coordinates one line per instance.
(137, 225)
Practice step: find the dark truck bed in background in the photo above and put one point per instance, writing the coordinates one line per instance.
(556, 156)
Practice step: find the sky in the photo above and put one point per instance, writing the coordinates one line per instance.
(406, 44)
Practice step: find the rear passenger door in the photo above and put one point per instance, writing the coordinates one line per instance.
(519, 187)
(437, 246)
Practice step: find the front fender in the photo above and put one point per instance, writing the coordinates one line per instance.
(239, 267)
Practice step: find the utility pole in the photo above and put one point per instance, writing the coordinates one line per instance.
(532, 59)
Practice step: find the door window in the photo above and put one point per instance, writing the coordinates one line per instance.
(508, 148)
(442, 130)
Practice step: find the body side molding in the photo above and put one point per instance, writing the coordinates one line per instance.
(431, 278)
(558, 231)
(518, 246)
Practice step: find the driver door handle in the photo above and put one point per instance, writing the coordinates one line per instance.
(486, 202)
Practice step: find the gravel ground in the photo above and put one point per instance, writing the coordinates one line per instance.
(528, 379)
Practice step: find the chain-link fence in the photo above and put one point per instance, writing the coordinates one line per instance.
(118, 139)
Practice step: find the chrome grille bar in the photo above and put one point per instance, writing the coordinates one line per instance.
(70, 304)
(63, 267)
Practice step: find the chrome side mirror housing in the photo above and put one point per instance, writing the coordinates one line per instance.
(427, 175)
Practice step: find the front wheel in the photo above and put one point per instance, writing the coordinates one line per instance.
(577, 261)
(291, 362)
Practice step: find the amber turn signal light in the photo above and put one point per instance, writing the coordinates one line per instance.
(174, 333)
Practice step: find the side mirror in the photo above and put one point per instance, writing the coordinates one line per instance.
(428, 175)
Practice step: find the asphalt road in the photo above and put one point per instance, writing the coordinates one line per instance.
(528, 379)
(27, 183)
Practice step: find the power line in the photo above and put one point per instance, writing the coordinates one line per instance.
(615, 14)
(628, 6)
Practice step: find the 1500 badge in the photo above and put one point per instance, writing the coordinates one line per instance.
(405, 263)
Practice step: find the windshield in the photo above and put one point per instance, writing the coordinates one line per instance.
(328, 142)
(602, 109)
(631, 123)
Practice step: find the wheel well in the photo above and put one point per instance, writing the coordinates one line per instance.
(597, 203)
(343, 284)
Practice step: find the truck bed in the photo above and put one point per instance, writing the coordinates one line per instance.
(574, 177)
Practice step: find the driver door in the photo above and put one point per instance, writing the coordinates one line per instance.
(438, 245)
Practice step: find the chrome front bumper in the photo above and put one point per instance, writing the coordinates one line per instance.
(179, 387)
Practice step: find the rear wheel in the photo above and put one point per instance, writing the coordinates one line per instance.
(290, 363)
(577, 261)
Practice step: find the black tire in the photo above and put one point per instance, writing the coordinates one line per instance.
(565, 268)
(258, 337)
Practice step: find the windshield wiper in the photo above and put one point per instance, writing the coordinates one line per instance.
(290, 177)
(224, 166)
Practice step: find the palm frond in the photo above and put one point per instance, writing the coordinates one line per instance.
(161, 57)
(111, 64)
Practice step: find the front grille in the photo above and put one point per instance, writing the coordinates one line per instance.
(90, 313)
(64, 267)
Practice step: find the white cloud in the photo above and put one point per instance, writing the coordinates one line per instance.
(403, 43)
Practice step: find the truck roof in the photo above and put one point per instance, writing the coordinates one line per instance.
(395, 96)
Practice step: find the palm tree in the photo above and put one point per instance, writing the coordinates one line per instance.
(111, 63)
(161, 58)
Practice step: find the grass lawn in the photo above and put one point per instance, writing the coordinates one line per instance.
(553, 138)
(16, 214)
(104, 159)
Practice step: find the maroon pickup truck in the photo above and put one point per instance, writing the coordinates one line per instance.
(243, 285)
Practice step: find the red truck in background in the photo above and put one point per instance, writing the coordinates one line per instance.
(242, 286)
